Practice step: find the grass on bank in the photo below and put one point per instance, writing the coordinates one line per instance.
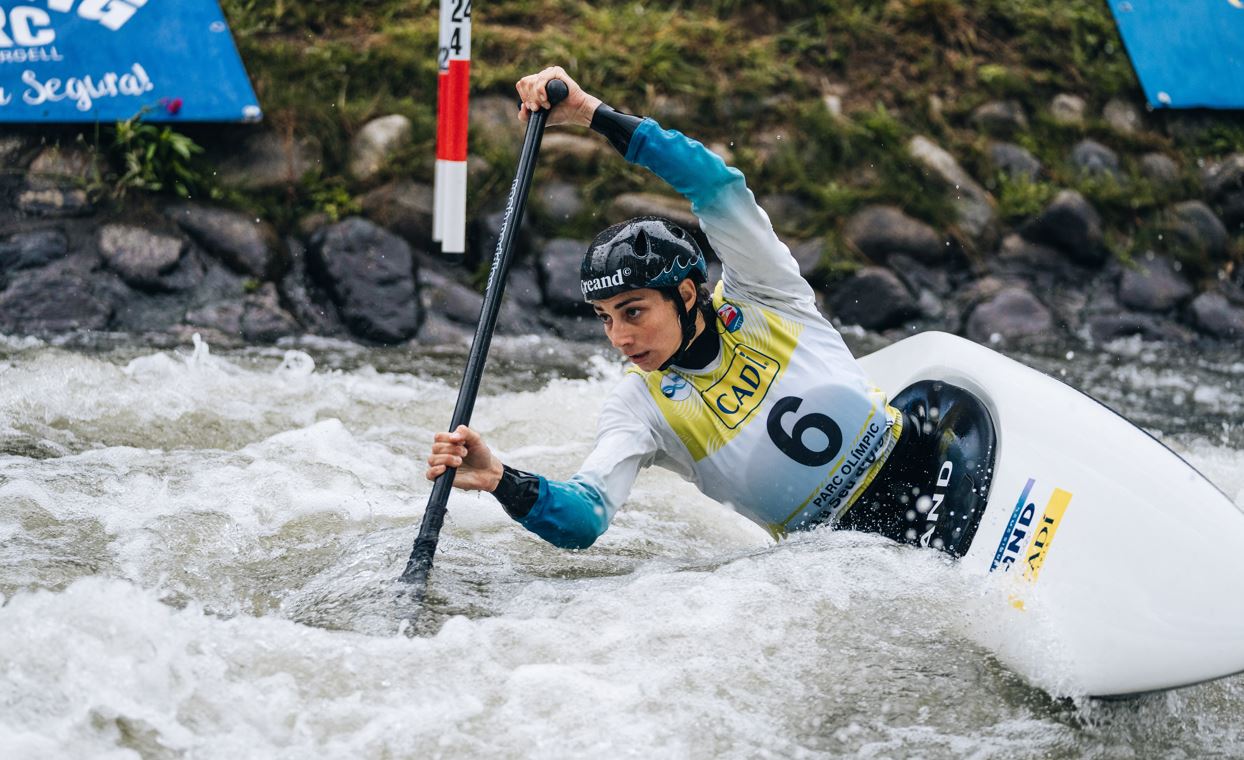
(733, 72)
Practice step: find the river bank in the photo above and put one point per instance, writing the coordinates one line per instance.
(931, 165)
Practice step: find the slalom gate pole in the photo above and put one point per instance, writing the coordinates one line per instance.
(420, 562)
(453, 113)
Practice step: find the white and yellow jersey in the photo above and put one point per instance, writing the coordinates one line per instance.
(784, 425)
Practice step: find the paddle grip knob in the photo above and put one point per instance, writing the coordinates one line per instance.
(557, 91)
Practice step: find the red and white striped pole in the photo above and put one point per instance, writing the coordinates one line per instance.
(453, 90)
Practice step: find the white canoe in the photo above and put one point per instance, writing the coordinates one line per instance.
(1111, 566)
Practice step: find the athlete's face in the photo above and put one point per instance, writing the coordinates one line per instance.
(643, 324)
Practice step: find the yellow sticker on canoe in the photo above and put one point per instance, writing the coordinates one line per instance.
(1044, 536)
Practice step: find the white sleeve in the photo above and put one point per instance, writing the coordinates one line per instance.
(625, 443)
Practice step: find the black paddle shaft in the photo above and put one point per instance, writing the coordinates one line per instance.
(420, 562)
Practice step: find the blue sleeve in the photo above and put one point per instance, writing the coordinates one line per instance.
(693, 170)
(755, 263)
(569, 515)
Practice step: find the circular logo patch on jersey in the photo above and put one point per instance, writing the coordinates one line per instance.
(730, 316)
(675, 387)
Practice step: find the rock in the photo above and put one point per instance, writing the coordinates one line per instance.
(1026, 258)
(1154, 284)
(809, 255)
(1233, 211)
(974, 206)
(1094, 159)
(147, 260)
(308, 304)
(54, 202)
(1197, 228)
(375, 145)
(1222, 177)
(1000, 118)
(584, 329)
(1107, 327)
(34, 248)
(1014, 161)
(1213, 314)
(880, 231)
(52, 299)
(1123, 117)
(787, 211)
(920, 277)
(15, 152)
(523, 289)
(243, 242)
(630, 205)
(494, 118)
(268, 161)
(405, 207)
(873, 298)
(222, 316)
(484, 235)
(263, 319)
(559, 276)
(570, 151)
(1012, 313)
(450, 299)
(57, 165)
(559, 202)
(369, 274)
(1159, 168)
(1067, 110)
(1072, 225)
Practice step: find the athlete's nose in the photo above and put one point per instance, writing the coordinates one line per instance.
(619, 336)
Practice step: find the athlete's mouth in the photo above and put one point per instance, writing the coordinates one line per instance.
(637, 358)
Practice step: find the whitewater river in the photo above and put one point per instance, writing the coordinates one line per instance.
(198, 551)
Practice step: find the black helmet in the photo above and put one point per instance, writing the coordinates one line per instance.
(647, 252)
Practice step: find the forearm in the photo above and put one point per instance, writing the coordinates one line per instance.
(569, 515)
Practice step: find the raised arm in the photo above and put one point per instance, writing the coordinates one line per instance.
(755, 262)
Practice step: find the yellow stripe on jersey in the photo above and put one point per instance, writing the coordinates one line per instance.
(719, 403)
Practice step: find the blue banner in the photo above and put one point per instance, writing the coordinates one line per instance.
(109, 60)
(1187, 53)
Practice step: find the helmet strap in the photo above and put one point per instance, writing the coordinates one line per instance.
(686, 320)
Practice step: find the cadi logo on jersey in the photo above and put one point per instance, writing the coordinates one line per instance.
(744, 385)
(731, 317)
(1027, 538)
(675, 387)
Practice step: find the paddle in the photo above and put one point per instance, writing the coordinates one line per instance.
(420, 562)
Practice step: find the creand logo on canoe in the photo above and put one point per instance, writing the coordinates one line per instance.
(27, 35)
(1027, 538)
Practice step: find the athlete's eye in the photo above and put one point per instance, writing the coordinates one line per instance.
(634, 312)
(604, 318)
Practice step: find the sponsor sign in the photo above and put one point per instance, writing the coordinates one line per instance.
(739, 392)
(730, 317)
(1027, 538)
(1187, 54)
(109, 60)
(675, 387)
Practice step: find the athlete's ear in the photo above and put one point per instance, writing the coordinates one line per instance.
(689, 293)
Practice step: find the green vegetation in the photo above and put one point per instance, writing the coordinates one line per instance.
(154, 159)
(724, 71)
